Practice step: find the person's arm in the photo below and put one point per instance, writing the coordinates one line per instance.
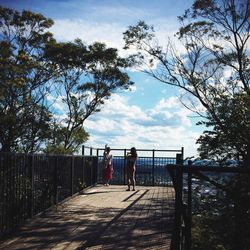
(128, 155)
(110, 162)
(110, 159)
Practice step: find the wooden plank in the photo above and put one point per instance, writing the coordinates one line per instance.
(103, 218)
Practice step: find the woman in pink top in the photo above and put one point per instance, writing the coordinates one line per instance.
(107, 166)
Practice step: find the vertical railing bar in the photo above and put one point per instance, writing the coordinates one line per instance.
(153, 167)
(72, 174)
(3, 184)
(91, 170)
(124, 166)
(95, 168)
(23, 204)
(31, 165)
(176, 242)
(56, 181)
(5, 191)
(97, 154)
(16, 195)
(1, 196)
(83, 173)
(189, 208)
(9, 195)
(12, 198)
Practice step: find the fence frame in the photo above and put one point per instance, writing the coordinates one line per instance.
(177, 157)
(19, 174)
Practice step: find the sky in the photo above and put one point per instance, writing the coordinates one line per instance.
(150, 115)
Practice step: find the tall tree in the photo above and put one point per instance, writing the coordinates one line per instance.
(34, 67)
(23, 76)
(88, 76)
(212, 66)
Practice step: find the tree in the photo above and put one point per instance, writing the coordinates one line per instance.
(34, 67)
(234, 114)
(56, 143)
(23, 74)
(215, 37)
(88, 76)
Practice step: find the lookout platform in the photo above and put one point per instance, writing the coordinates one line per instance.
(102, 218)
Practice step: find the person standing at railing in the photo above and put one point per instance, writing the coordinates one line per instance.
(107, 165)
(130, 168)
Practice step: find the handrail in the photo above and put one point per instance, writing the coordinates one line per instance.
(128, 149)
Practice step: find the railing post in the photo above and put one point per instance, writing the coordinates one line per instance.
(182, 155)
(56, 181)
(153, 167)
(31, 175)
(176, 241)
(72, 175)
(95, 170)
(91, 169)
(83, 149)
(91, 151)
(189, 209)
(83, 172)
(179, 159)
(176, 238)
(97, 164)
(124, 167)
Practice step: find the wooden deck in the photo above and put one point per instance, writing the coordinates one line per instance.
(103, 218)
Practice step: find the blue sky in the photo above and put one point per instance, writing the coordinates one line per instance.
(150, 115)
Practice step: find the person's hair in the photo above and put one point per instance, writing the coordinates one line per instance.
(133, 151)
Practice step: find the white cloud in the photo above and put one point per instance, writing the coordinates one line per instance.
(122, 126)
(107, 24)
(90, 31)
(168, 103)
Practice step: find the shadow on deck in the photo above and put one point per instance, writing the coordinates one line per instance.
(103, 218)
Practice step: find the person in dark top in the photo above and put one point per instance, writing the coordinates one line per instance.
(130, 168)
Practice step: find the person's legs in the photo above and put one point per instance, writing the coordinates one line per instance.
(104, 177)
(129, 178)
(129, 182)
(133, 180)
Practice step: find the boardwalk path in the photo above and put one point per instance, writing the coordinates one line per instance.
(103, 218)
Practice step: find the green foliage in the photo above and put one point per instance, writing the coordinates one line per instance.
(212, 68)
(220, 218)
(35, 68)
(205, 234)
(230, 139)
(23, 75)
(64, 141)
(88, 76)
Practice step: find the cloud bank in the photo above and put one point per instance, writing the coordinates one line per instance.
(121, 125)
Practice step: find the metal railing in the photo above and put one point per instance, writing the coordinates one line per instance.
(150, 166)
(31, 183)
(212, 206)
